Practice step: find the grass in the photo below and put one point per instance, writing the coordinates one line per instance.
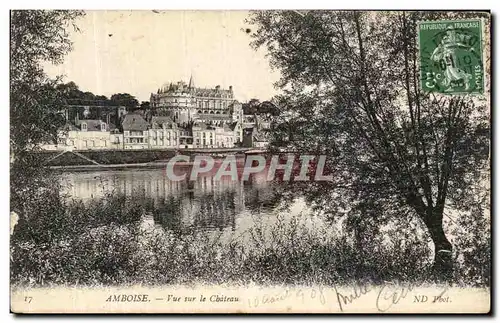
(105, 243)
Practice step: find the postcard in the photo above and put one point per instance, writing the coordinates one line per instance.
(267, 161)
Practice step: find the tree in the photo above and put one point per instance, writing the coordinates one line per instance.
(125, 99)
(251, 107)
(351, 91)
(145, 105)
(36, 36)
(70, 90)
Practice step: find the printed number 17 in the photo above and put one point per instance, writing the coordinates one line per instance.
(28, 299)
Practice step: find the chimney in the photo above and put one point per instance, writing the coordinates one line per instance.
(217, 87)
(231, 88)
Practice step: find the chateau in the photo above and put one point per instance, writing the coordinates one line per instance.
(180, 115)
(187, 104)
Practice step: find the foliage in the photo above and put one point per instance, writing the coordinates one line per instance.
(350, 87)
(104, 242)
(125, 99)
(74, 96)
(37, 36)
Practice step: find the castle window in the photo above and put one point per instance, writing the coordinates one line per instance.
(84, 126)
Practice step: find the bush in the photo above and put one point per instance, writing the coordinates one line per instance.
(103, 242)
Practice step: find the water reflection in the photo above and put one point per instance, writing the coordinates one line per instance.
(202, 204)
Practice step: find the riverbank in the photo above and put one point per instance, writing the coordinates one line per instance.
(190, 234)
(93, 167)
(124, 159)
(151, 165)
(110, 241)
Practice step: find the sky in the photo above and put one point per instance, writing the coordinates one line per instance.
(137, 52)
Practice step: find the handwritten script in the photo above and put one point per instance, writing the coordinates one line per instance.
(301, 294)
(387, 295)
(357, 291)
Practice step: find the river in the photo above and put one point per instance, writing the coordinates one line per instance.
(183, 206)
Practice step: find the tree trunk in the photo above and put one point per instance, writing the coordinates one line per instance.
(443, 263)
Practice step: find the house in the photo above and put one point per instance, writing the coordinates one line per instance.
(204, 135)
(96, 110)
(89, 135)
(135, 132)
(249, 120)
(211, 136)
(163, 133)
(237, 128)
(252, 137)
(185, 137)
(224, 136)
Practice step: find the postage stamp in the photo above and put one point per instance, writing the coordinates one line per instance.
(451, 56)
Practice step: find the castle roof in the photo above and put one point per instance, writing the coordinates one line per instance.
(182, 87)
(216, 92)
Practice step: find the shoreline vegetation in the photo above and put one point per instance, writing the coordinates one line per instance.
(104, 242)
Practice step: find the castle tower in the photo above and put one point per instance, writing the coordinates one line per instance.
(191, 82)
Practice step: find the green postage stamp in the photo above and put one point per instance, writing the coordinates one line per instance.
(451, 56)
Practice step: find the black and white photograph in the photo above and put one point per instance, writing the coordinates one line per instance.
(250, 161)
